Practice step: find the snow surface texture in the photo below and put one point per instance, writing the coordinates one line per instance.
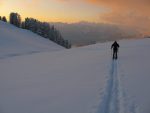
(79, 80)
(15, 42)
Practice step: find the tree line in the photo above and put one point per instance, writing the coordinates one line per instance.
(43, 29)
(3, 18)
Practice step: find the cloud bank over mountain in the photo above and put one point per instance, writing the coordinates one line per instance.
(88, 33)
(131, 13)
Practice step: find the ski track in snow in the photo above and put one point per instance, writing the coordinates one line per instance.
(18, 54)
(114, 99)
(11, 55)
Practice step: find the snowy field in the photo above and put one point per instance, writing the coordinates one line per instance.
(16, 42)
(79, 80)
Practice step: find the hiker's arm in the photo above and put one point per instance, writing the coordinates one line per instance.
(118, 45)
(112, 46)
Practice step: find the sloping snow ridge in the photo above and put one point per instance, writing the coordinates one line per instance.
(79, 80)
(15, 42)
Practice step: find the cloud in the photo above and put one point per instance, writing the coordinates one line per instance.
(133, 13)
(123, 4)
(32, 2)
(1, 2)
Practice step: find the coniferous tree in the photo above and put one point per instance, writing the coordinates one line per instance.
(15, 19)
(45, 30)
(4, 19)
(23, 25)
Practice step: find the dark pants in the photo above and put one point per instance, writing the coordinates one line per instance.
(115, 54)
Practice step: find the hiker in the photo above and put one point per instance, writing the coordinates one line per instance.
(115, 46)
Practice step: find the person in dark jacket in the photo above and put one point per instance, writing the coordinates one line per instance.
(115, 46)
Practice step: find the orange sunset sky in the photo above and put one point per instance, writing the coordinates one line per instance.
(134, 13)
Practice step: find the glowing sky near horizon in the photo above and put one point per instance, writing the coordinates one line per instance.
(132, 13)
(53, 10)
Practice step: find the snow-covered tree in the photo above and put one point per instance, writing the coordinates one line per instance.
(15, 19)
(45, 30)
(23, 25)
(4, 19)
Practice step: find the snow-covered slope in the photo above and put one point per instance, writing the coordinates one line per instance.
(15, 41)
(80, 80)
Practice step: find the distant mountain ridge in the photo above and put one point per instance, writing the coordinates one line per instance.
(87, 33)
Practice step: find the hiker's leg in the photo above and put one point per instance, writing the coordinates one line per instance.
(116, 55)
(113, 54)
